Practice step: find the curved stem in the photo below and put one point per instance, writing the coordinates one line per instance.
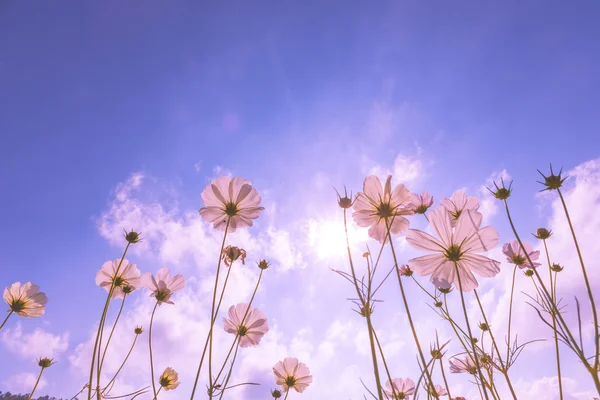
(587, 285)
(122, 365)
(230, 370)
(387, 371)
(212, 316)
(475, 356)
(98, 342)
(6, 319)
(112, 331)
(36, 384)
(510, 306)
(150, 345)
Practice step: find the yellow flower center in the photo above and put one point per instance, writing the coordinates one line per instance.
(18, 305)
(518, 259)
(453, 253)
(242, 330)
(290, 381)
(385, 210)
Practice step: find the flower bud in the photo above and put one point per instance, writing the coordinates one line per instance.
(552, 182)
(132, 237)
(263, 264)
(438, 304)
(45, 362)
(484, 327)
(276, 393)
(344, 202)
(528, 272)
(138, 330)
(542, 233)
(556, 267)
(501, 192)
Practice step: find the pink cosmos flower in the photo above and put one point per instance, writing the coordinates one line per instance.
(250, 329)
(402, 388)
(436, 389)
(163, 287)
(232, 253)
(458, 365)
(375, 205)
(230, 198)
(405, 270)
(127, 277)
(421, 202)
(458, 245)
(458, 203)
(26, 300)
(291, 374)
(515, 255)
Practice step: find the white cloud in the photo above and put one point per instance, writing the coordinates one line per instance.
(489, 204)
(409, 170)
(36, 344)
(24, 382)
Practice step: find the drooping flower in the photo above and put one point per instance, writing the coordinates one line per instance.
(377, 207)
(459, 245)
(25, 300)
(125, 280)
(436, 390)
(458, 203)
(399, 388)
(291, 374)
(253, 327)
(163, 286)
(232, 199)
(233, 253)
(405, 270)
(168, 379)
(422, 202)
(515, 255)
(460, 365)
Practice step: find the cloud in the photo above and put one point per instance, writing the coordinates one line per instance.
(24, 382)
(409, 170)
(489, 204)
(33, 345)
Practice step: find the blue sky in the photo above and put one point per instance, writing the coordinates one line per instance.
(295, 96)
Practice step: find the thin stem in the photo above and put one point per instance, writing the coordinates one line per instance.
(36, 383)
(230, 370)
(405, 301)
(6, 319)
(122, 365)
(475, 356)
(387, 371)
(98, 342)
(587, 285)
(150, 345)
(112, 331)
(504, 369)
(552, 290)
(445, 380)
(287, 393)
(510, 306)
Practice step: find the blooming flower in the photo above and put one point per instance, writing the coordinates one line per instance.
(232, 199)
(375, 205)
(232, 253)
(458, 203)
(399, 388)
(291, 374)
(458, 246)
(421, 202)
(125, 280)
(250, 329)
(25, 300)
(515, 255)
(405, 270)
(163, 287)
(436, 389)
(168, 379)
(458, 365)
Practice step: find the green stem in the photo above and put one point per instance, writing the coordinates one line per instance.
(150, 345)
(587, 285)
(475, 356)
(98, 342)
(212, 317)
(387, 371)
(504, 369)
(122, 365)
(112, 331)
(510, 306)
(36, 383)
(230, 370)
(6, 319)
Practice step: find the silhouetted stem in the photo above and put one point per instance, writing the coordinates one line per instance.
(150, 345)
(36, 384)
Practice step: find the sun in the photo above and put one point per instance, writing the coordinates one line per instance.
(326, 237)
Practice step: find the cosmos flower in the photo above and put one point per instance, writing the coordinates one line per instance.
(232, 199)
(163, 287)
(232, 253)
(458, 203)
(436, 389)
(459, 245)
(290, 374)
(253, 328)
(515, 255)
(422, 202)
(26, 300)
(168, 379)
(460, 365)
(125, 281)
(375, 205)
(402, 388)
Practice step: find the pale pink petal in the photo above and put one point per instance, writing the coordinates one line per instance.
(425, 265)
(176, 283)
(378, 231)
(440, 222)
(364, 218)
(484, 239)
(423, 241)
(467, 224)
(212, 214)
(399, 225)
(372, 188)
(481, 265)
(163, 274)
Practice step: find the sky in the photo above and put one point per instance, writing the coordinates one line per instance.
(116, 115)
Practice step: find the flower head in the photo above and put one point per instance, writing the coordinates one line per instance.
(556, 267)
(233, 253)
(528, 272)
(542, 233)
(399, 388)
(552, 182)
(515, 255)
(459, 203)
(45, 362)
(25, 300)
(230, 199)
(456, 247)
(133, 237)
(291, 374)
(422, 202)
(378, 207)
(162, 286)
(125, 280)
(138, 330)
(501, 192)
(276, 394)
(405, 270)
(344, 202)
(168, 379)
(250, 329)
(263, 264)
(458, 365)
(436, 390)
